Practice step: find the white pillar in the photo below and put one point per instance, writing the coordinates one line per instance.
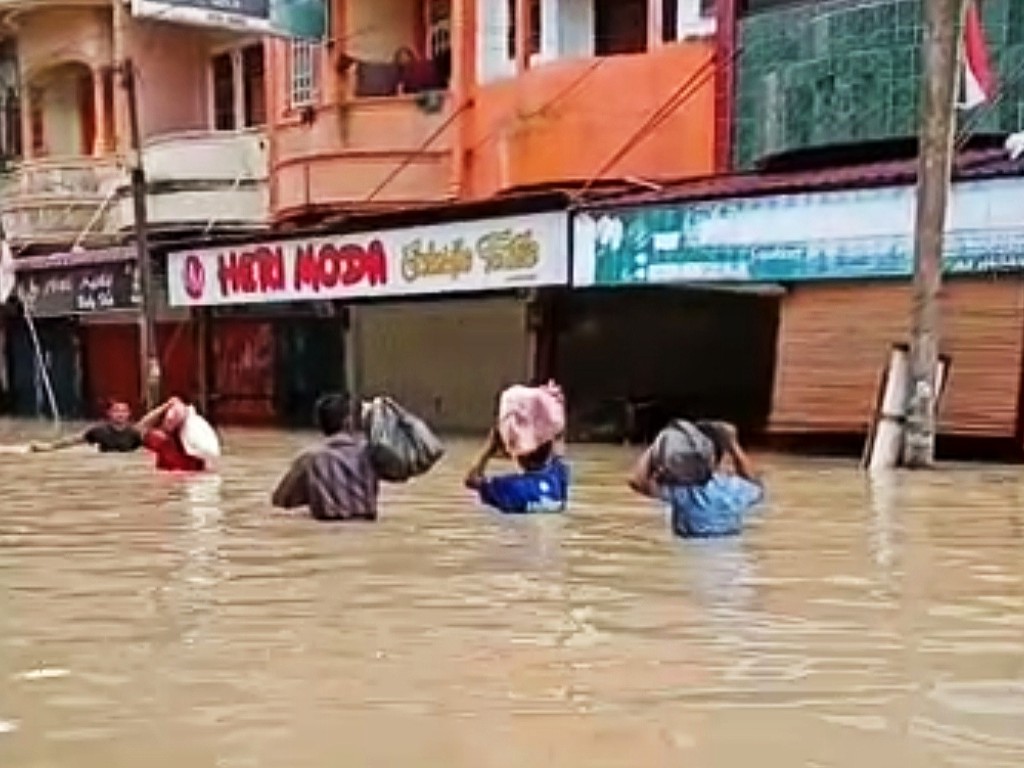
(492, 55)
(654, 24)
(550, 30)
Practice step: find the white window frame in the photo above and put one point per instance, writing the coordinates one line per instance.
(237, 82)
(305, 66)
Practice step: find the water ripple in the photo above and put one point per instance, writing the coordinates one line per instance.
(159, 622)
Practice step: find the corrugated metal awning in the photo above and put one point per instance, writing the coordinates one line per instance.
(992, 163)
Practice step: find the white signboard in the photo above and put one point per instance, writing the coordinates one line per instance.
(490, 254)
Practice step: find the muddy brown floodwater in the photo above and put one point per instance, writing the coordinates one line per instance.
(154, 622)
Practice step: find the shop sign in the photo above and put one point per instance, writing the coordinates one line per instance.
(289, 18)
(79, 290)
(853, 234)
(492, 254)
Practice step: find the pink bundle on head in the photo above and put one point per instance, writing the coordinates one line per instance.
(529, 417)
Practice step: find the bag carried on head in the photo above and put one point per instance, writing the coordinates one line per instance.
(529, 417)
(682, 454)
(401, 445)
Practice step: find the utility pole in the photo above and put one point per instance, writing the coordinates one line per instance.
(943, 21)
(149, 360)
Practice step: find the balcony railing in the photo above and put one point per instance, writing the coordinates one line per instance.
(366, 151)
(231, 156)
(54, 199)
(64, 177)
(196, 178)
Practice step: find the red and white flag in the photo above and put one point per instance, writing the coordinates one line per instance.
(979, 80)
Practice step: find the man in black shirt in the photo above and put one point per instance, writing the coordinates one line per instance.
(115, 435)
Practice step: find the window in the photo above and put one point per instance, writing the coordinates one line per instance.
(10, 116)
(239, 95)
(109, 115)
(304, 74)
(513, 25)
(670, 20)
(620, 26)
(223, 92)
(35, 119)
(708, 8)
(10, 101)
(254, 93)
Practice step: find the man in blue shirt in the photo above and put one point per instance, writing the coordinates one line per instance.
(715, 508)
(542, 485)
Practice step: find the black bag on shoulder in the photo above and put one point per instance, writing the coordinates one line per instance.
(401, 445)
(683, 455)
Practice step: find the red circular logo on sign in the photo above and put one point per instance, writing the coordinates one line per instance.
(194, 277)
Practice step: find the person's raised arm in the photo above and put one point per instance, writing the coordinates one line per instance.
(742, 462)
(641, 478)
(153, 418)
(744, 466)
(476, 475)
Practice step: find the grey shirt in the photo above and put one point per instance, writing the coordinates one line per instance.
(335, 480)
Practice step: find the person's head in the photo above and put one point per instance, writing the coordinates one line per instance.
(334, 414)
(118, 413)
(404, 57)
(537, 460)
(718, 438)
(174, 416)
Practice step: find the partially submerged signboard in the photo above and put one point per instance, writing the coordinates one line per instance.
(288, 18)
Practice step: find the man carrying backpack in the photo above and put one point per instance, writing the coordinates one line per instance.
(685, 467)
(364, 443)
(336, 480)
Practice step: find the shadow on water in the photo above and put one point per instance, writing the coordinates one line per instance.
(168, 621)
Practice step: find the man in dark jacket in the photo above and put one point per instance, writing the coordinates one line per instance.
(335, 479)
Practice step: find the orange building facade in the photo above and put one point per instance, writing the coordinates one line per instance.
(454, 108)
(426, 101)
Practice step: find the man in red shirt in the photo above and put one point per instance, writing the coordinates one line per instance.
(161, 434)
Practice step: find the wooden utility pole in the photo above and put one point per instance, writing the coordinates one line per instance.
(149, 360)
(943, 20)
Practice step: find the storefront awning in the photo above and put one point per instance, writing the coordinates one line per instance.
(72, 259)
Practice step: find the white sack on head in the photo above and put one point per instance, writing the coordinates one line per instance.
(198, 437)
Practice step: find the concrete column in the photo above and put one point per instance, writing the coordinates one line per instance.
(464, 41)
(524, 21)
(550, 30)
(99, 113)
(655, 21)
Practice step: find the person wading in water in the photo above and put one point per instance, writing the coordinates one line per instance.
(718, 504)
(117, 434)
(336, 479)
(161, 435)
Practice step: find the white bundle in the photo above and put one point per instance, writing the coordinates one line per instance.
(198, 437)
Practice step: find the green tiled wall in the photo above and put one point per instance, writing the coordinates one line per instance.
(820, 73)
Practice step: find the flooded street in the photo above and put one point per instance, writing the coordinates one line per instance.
(158, 621)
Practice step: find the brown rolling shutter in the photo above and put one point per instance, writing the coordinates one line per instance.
(834, 341)
(446, 360)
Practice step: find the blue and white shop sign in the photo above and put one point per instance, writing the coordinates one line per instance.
(845, 235)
